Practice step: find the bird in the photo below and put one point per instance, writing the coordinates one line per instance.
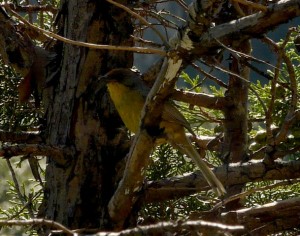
(128, 93)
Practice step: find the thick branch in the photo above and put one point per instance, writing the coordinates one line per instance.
(251, 26)
(266, 219)
(57, 153)
(130, 186)
(181, 186)
(165, 228)
(36, 222)
(200, 99)
(30, 8)
(20, 137)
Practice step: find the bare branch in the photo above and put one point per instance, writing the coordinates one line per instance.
(130, 186)
(143, 20)
(59, 154)
(89, 45)
(200, 99)
(291, 113)
(208, 75)
(205, 227)
(246, 27)
(244, 194)
(30, 8)
(271, 217)
(20, 137)
(37, 222)
(18, 190)
(235, 174)
(252, 5)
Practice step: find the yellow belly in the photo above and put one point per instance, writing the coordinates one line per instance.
(128, 103)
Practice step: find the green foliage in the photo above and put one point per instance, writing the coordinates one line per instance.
(13, 116)
(20, 197)
(15, 201)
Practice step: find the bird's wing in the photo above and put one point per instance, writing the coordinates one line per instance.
(171, 114)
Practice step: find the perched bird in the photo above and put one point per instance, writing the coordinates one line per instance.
(128, 92)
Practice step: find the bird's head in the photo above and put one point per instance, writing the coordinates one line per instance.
(124, 76)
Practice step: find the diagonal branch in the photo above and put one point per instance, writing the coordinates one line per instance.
(251, 26)
(88, 45)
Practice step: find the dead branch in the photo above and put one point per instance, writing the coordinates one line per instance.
(205, 227)
(234, 174)
(37, 222)
(88, 45)
(60, 154)
(30, 8)
(200, 99)
(8, 151)
(210, 76)
(155, 229)
(246, 27)
(266, 219)
(143, 20)
(20, 137)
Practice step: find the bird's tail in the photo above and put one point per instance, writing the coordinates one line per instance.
(188, 149)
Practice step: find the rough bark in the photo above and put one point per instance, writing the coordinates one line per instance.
(77, 193)
(235, 143)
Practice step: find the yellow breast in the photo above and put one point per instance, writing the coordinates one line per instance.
(128, 103)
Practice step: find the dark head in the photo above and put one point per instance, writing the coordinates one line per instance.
(127, 77)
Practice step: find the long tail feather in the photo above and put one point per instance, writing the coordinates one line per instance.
(188, 149)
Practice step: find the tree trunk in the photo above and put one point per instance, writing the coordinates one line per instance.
(236, 117)
(79, 187)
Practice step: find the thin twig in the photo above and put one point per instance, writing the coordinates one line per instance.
(222, 68)
(208, 75)
(39, 193)
(183, 4)
(250, 191)
(142, 19)
(18, 190)
(89, 45)
(244, 55)
(259, 99)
